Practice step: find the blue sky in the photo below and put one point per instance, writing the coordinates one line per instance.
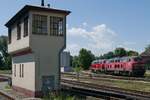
(98, 25)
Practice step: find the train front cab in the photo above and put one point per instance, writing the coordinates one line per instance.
(138, 67)
(95, 66)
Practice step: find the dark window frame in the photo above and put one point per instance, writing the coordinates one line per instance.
(9, 35)
(15, 70)
(56, 26)
(18, 30)
(26, 27)
(20, 70)
(22, 74)
(39, 24)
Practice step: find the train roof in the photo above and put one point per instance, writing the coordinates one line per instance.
(116, 58)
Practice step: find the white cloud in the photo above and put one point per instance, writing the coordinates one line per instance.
(74, 48)
(84, 24)
(99, 39)
(77, 31)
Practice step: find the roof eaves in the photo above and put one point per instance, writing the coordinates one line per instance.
(26, 8)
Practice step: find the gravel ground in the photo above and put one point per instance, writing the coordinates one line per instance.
(13, 94)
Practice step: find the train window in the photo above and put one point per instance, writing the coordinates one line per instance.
(137, 59)
(121, 66)
(129, 60)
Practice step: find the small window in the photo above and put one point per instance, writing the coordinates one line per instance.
(25, 26)
(14, 70)
(115, 66)
(22, 70)
(121, 66)
(18, 31)
(9, 35)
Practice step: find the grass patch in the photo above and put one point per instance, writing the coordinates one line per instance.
(60, 96)
(7, 87)
(147, 74)
(125, 84)
(5, 71)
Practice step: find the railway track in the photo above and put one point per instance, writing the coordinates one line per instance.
(114, 91)
(5, 97)
(99, 76)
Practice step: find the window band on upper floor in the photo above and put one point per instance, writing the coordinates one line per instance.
(40, 25)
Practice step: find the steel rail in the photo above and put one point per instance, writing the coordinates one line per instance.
(120, 91)
(96, 76)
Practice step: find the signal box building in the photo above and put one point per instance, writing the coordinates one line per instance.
(37, 36)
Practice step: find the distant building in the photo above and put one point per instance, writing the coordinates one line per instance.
(37, 36)
(65, 62)
(146, 56)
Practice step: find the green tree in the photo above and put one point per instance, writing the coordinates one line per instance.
(147, 48)
(1, 62)
(5, 59)
(132, 53)
(85, 58)
(78, 71)
(71, 60)
(108, 55)
(75, 61)
(120, 52)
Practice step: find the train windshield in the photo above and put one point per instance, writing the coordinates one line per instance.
(94, 62)
(137, 59)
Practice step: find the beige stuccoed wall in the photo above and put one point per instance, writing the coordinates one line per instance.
(20, 44)
(28, 81)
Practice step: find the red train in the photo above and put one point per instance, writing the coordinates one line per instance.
(131, 66)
